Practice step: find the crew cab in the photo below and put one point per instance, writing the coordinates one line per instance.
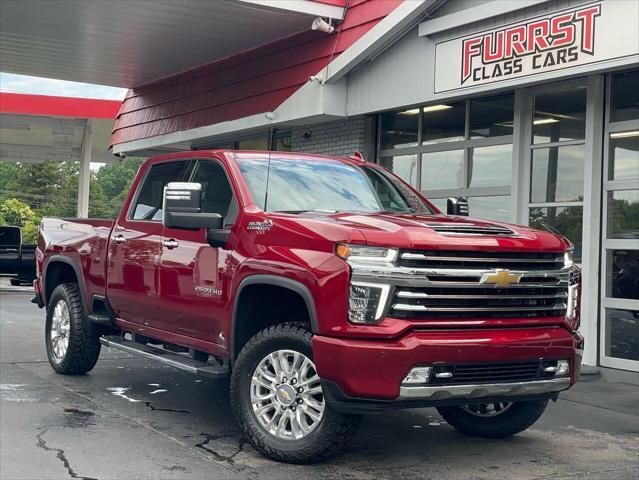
(325, 288)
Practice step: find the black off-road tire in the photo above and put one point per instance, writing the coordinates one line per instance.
(517, 418)
(84, 342)
(330, 436)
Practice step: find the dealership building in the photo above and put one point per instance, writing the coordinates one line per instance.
(529, 108)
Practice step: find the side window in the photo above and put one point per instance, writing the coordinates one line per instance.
(216, 190)
(148, 205)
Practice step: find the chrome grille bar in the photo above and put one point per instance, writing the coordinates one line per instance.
(421, 256)
(422, 308)
(409, 294)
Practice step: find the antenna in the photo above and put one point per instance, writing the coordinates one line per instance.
(271, 142)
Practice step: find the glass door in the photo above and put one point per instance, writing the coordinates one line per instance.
(557, 143)
(619, 335)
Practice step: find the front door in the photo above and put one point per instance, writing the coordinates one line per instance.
(135, 246)
(194, 275)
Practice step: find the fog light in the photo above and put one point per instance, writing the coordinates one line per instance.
(417, 375)
(563, 368)
(366, 302)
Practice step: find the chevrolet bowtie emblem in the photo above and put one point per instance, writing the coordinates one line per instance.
(500, 278)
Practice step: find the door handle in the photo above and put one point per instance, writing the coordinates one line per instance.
(171, 243)
(119, 239)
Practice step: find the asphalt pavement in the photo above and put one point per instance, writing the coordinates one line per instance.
(132, 418)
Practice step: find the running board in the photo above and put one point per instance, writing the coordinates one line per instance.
(168, 358)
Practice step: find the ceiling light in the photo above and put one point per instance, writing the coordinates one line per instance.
(633, 133)
(436, 108)
(544, 121)
(412, 111)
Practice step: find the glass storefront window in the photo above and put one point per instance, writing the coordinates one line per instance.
(624, 98)
(404, 166)
(253, 144)
(560, 116)
(623, 214)
(439, 203)
(442, 170)
(492, 117)
(622, 334)
(557, 174)
(567, 221)
(399, 129)
(443, 123)
(624, 156)
(491, 166)
(623, 274)
(497, 208)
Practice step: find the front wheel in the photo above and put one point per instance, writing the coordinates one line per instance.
(494, 420)
(278, 401)
(73, 346)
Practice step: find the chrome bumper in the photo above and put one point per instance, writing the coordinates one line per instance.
(447, 392)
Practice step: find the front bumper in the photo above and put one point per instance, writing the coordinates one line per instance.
(370, 372)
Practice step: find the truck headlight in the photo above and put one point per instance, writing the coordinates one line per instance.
(365, 254)
(366, 302)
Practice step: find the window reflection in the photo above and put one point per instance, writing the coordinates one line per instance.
(443, 123)
(497, 208)
(443, 170)
(404, 166)
(623, 274)
(565, 221)
(491, 117)
(560, 116)
(491, 166)
(624, 156)
(557, 174)
(622, 334)
(624, 102)
(623, 214)
(399, 129)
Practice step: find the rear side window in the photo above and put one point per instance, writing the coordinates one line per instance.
(148, 204)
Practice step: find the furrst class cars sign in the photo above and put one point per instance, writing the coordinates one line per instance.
(591, 33)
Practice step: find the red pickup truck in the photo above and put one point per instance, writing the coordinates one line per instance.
(325, 288)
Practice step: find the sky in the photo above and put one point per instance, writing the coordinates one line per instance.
(10, 82)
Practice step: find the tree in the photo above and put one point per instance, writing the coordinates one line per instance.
(15, 212)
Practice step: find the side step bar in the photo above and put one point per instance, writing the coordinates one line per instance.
(168, 358)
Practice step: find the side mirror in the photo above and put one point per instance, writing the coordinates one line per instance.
(182, 208)
(457, 206)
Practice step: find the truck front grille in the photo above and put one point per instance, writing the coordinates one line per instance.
(502, 372)
(455, 290)
(488, 260)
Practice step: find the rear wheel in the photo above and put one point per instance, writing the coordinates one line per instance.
(495, 419)
(278, 401)
(73, 346)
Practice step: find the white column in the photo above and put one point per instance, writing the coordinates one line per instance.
(85, 173)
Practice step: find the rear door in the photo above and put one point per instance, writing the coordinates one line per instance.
(135, 247)
(193, 275)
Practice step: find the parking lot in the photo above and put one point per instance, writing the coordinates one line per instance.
(132, 418)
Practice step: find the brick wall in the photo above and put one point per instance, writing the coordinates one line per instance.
(340, 137)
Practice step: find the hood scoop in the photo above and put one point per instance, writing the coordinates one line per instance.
(469, 229)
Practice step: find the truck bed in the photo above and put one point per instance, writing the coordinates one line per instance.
(84, 241)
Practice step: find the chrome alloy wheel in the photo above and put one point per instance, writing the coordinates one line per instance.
(286, 395)
(60, 330)
(487, 409)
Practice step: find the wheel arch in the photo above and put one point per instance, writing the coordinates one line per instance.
(284, 283)
(61, 269)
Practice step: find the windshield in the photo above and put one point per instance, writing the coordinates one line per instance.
(296, 186)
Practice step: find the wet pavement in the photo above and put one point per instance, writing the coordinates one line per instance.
(131, 418)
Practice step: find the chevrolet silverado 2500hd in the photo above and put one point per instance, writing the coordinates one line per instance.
(325, 288)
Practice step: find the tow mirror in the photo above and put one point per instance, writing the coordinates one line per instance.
(182, 208)
(457, 206)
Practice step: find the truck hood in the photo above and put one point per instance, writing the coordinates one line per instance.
(439, 232)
